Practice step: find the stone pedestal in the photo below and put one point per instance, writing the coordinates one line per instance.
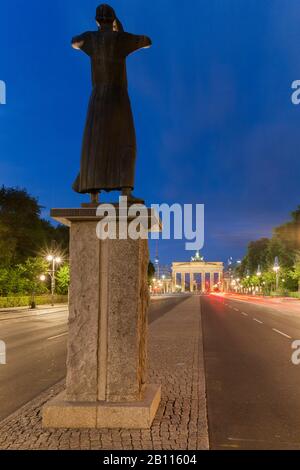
(107, 346)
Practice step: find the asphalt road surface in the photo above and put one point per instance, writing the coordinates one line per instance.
(35, 355)
(36, 351)
(253, 388)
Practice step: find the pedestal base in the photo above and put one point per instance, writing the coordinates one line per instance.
(59, 413)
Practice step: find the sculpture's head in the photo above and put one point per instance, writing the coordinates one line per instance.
(105, 15)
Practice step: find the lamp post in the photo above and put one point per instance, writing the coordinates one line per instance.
(258, 274)
(247, 277)
(54, 260)
(276, 268)
(258, 271)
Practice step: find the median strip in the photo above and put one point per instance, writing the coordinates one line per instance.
(281, 333)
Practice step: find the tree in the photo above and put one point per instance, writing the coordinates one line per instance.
(7, 246)
(289, 233)
(23, 233)
(257, 255)
(279, 248)
(268, 280)
(284, 244)
(20, 215)
(296, 272)
(63, 279)
(31, 271)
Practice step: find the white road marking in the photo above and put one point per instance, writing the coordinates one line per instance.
(245, 440)
(281, 333)
(236, 309)
(245, 314)
(258, 321)
(58, 336)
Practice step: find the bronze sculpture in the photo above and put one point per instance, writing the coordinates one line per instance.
(109, 142)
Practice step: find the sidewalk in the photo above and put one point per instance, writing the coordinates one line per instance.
(25, 312)
(176, 361)
(28, 309)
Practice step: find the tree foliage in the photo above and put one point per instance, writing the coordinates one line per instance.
(23, 278)
(284, 244)
(25, 237)
(63, 279)
(23, 232)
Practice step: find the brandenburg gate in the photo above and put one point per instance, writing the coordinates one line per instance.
(202, 275)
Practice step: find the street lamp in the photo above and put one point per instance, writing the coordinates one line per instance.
(276, 268)
(258, 271)
(54, 260)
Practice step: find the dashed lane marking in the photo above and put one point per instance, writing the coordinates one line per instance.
(58, 336)
(281, 333)
(257, 321)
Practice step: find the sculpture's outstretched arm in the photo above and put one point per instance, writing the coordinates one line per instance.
(77, 42)
(148, 42)
(135, 42)
(83, 43)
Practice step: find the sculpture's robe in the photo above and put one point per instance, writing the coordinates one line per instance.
(109, 142)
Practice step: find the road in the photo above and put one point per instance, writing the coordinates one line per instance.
(35, 355)
(36, 351)
(253, 388)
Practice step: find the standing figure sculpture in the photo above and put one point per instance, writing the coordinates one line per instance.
(109, 142)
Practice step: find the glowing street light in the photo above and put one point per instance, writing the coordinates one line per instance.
(276, 268)
(42, 278)
(54, 260)
(276, 264)
(258, 271)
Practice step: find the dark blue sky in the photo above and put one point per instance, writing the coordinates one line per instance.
(211, 100)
